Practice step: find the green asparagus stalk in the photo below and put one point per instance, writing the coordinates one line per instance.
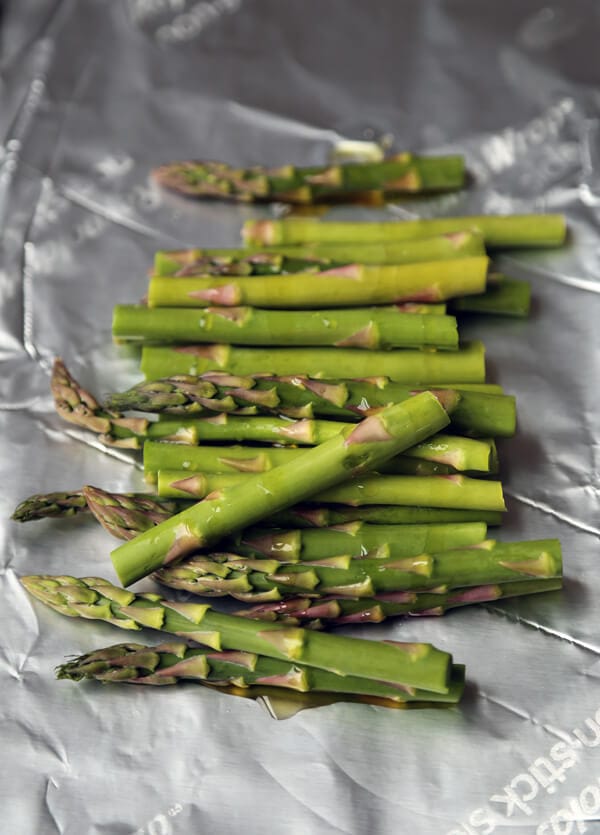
(291, 184)
(365, 447)
(340, 611)
(444, 491)
(306, 257)
(92, 598)
(497, 230)
(351, 285)
(247, 579)
(467, 365)
(370, 328)
(175, 661)
(508, 297)
(453, 452)
(355, 539)
(477, 413)
(319, 516)
(58, 505)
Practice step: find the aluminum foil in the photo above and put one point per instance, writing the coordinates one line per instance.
(93, 94)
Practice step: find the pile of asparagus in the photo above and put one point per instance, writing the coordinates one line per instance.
(345, 462)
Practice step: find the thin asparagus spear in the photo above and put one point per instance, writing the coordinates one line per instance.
(447, 491)
(340, 611)
(416, 665)
(173, 662)
(247, 579)
(370, 328)
(466, 365)
(50, 506)
(291, 184)
(371, 442)
(477, 413)
(351, 285)
(497, 230)
(304, 258)
(124, 515)
(455, 453)
(318, 516)
(508, 297)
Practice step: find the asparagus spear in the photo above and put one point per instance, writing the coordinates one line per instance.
(339, 611)
(318, 516)
(476, 413)
(497, 230)
(175, 661)
(448, 491)
(370, 328)
(452, 453)
(355, 539)
(351, 285)
(228, 573)
(50, 506)
(305, 257)
(508, 297)
(415, 367)
(367, 445)
(125, 515)
(414, 665)
(291, 184)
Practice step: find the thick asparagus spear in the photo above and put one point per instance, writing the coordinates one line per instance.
(351, 285)
(307, 257)
(371, 442)
(355, 539)
(92, 598)
(467, 365)
(453, 453)
(370, 328)
(172, 662)
(339, 611)
(497, 230)
(292, 184)
(476, 413)
(449, 491)
(228, 573)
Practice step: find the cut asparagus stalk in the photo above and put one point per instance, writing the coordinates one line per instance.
(497, 230)
(414, 665)
(477, 413)
(444, 491)
(355, 539)
(339, 611)
(381, 327)
(292, 184)
(228, 573)
(351, 285)
(467, 365)
(304, 258)
(374, 440)
(456, 453)
(508, 297)
(173, 662)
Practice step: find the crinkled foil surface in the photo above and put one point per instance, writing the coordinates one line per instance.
(95, 93)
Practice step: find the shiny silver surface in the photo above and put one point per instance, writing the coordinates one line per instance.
(92, 95)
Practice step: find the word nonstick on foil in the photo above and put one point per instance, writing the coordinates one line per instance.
(93, 95)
